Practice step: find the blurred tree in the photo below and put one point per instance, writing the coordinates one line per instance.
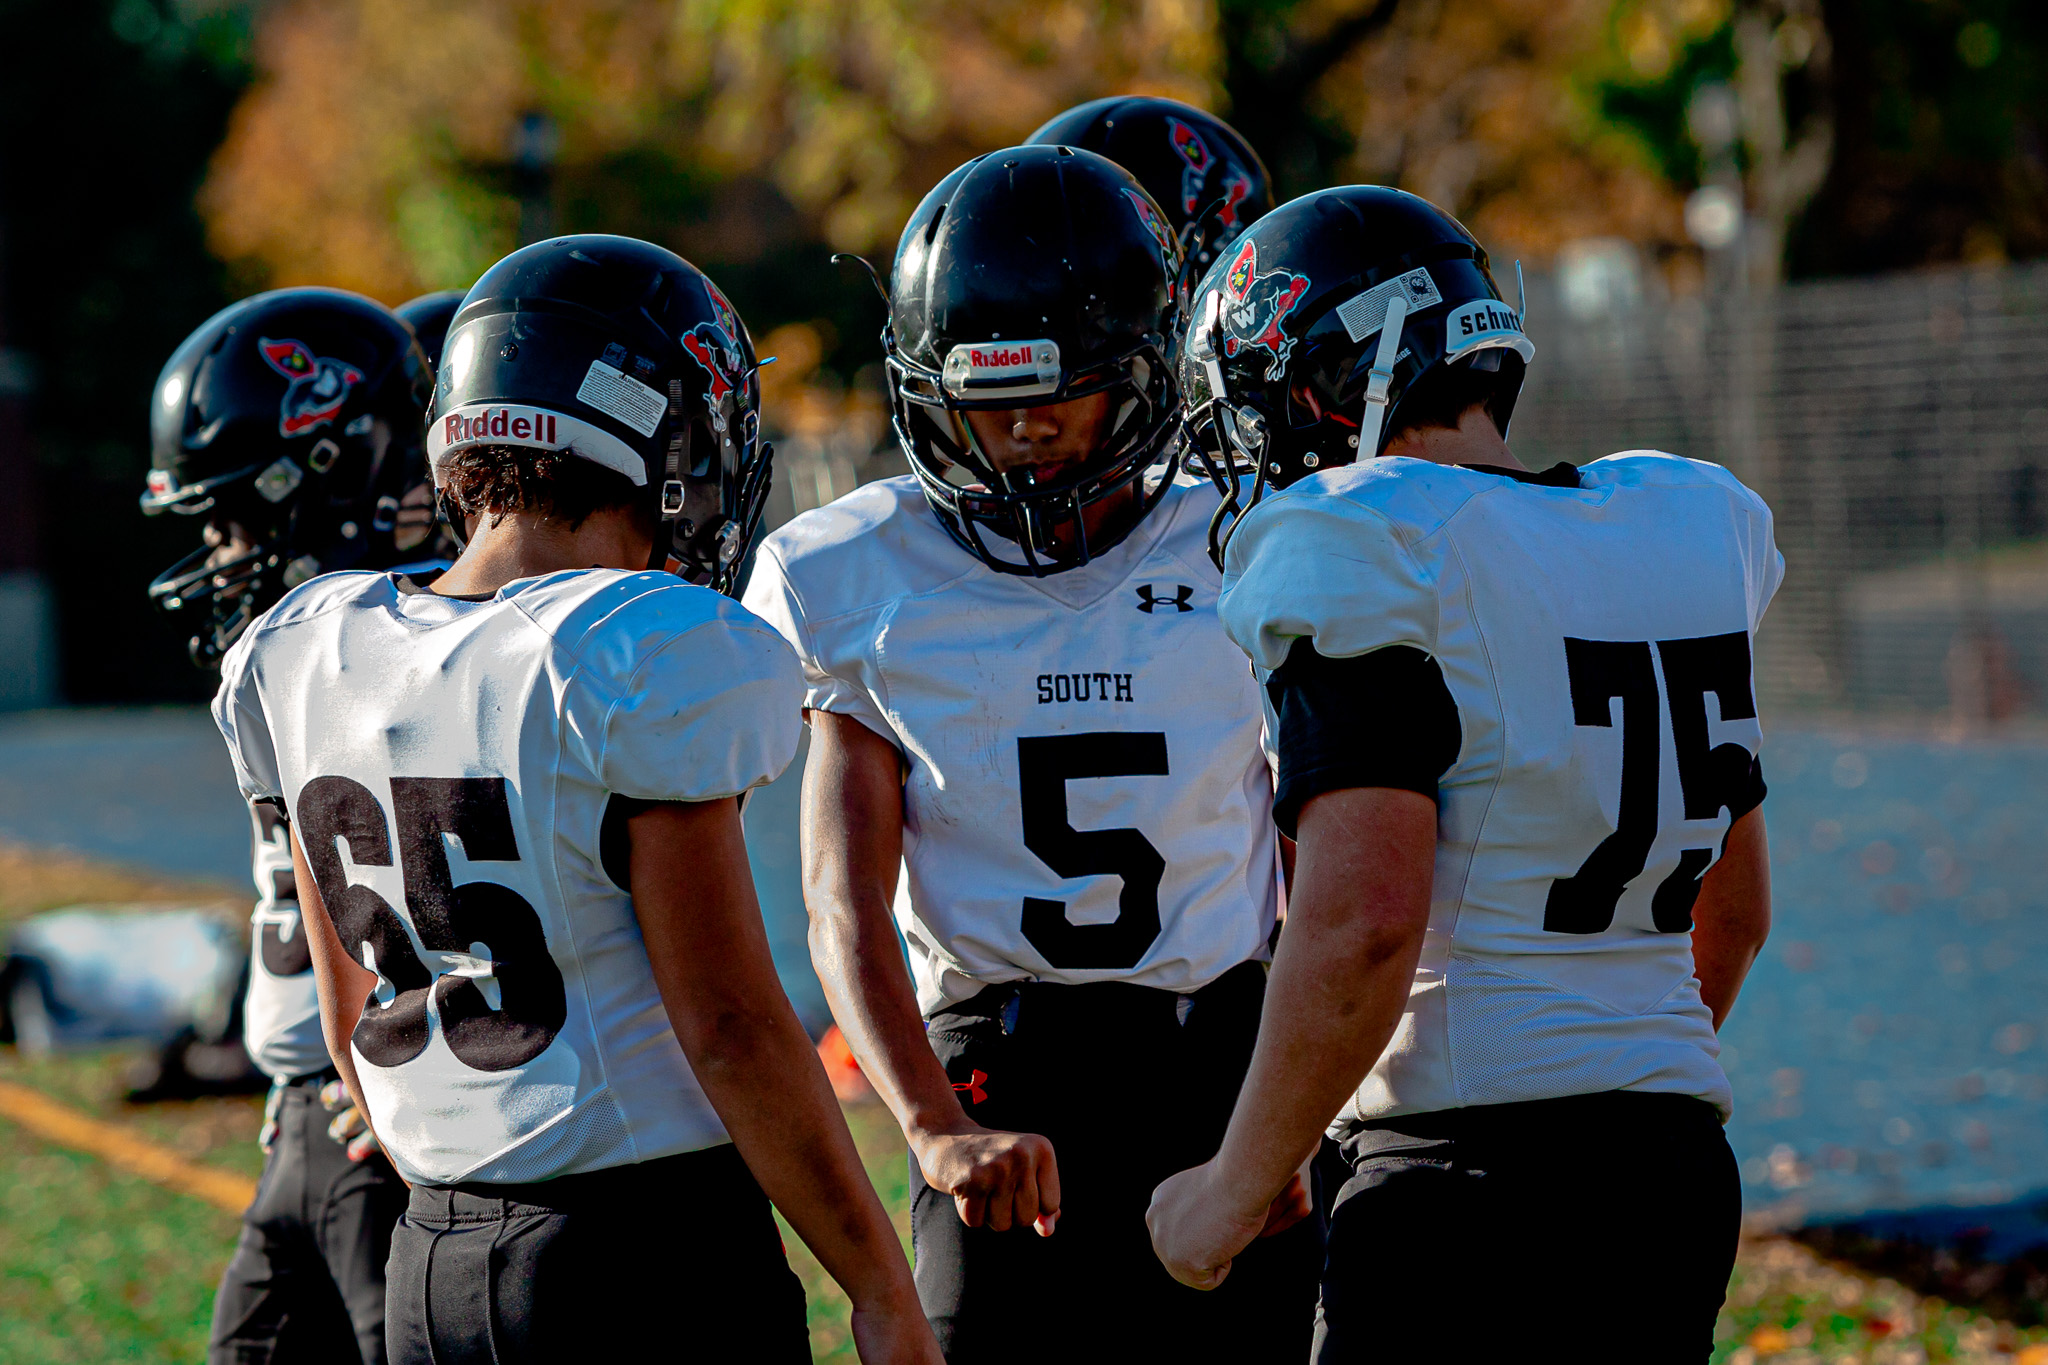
(1941, 110)
(1276, 56)
(109, 110)
(1482, 106)
(1873, 134)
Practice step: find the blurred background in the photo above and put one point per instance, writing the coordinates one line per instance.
(1798, 237)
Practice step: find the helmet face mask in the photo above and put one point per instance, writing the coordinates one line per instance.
(291, 417)
(1313, 340)
(622, 353)
(1030, 279)
(1041, 509)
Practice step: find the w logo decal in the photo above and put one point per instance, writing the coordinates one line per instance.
(1150, 601)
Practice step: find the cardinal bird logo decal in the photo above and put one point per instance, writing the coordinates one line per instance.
(1236, 190)
(319, 385)
(1194, 153)
(1254, 306)
(1154, 224)
(722, 311)
(714, 349)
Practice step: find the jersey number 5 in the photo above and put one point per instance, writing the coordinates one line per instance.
(1709, 778)
(456, 924)
(1045, 764)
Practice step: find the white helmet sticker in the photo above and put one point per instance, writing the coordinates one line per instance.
(517, 424)
(1364, 314)
(1485, 323)
(618, 395)
(1002, 369)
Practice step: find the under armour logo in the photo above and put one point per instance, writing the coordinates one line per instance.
(972, 1087)
(1148, 600)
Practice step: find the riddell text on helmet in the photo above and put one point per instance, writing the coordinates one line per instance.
(514, 424)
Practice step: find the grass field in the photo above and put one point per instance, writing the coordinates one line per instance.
(96, 1265)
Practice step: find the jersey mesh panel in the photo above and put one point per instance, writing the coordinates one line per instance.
(591, 1138)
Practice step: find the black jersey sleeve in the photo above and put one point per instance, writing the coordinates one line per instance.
(1381, 719)
(1749, 793)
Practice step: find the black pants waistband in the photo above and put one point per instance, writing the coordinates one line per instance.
(710, 1168)
(1529, 1121)
(1052, 1004)
(311, 1080)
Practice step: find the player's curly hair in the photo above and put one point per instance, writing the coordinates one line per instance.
(559, 485)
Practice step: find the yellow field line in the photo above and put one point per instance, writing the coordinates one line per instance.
(117, 1146)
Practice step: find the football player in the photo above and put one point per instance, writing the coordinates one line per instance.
(292, 423)
(511, 801)
(1518, 743)
(1196, 167)
(1018, 692)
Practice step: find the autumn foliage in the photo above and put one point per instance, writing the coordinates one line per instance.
(377, 148)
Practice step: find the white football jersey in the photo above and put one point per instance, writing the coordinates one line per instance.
(281, 1008)
(449, 766)
(1085, 798)
(1596, 642)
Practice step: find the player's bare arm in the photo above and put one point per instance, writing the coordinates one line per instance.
(343, 984)
(694, 896)
(1339, 985)
(1732, 917)
(853, 843)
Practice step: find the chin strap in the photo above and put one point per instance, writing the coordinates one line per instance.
(1381, 378)
(451, 516)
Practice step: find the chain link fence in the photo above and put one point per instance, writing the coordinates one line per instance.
(1898, 427)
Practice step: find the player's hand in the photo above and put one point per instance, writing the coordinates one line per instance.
(1197, 1229)
(349, 1128)
(998, 1180)
(1292, 1204)
(894, 1336)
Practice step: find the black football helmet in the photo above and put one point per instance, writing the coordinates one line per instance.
(624, 353)
(1029, 278)
(294, 417)
(429, 316)
(1306, 338)
(1200, 169)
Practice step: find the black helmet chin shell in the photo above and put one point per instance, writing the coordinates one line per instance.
(639, 347)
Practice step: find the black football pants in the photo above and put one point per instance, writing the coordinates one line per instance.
(306, 1283)
(676, 1259)
(1131, 1085)
(1601, 1226)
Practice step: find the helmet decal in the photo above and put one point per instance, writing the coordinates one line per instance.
(725, 317)
(1235, 191)
(319, 385)
(1195, 152)
(1254, 305)
(1169, 247)
(712, 346)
